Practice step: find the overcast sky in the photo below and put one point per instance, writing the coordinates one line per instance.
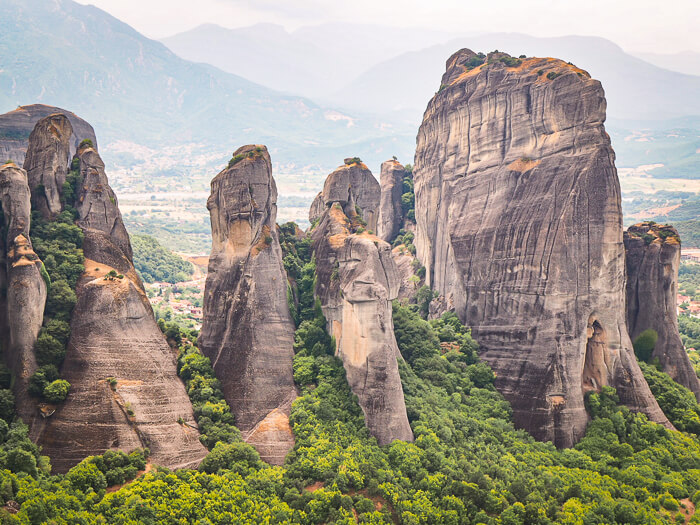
(663, 26)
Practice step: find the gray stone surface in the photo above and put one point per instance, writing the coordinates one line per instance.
(17, 125)
(354, 185)
(356, 279)
(114, 335)
(22, 304)
(653, 254)
(520, 229)
(390, 209)
(48, 161)
(248, 332)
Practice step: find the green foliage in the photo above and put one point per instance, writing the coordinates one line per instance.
(475, 61)
(48, 349)
(552, 75)
(154, 262)
(41, 379)
(676, 401)
(238, 457)
(644, 344)
(353, 160)
(57, 391)
(212, 412)
(86, 142)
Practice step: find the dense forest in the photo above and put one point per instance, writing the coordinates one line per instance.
(154, 262)
(468, 463)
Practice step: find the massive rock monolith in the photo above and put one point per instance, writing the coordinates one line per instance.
(22, 287)
(125, 392)
(520, 229)
(18, 124)
(248, 332)
(351, 184)
(356, 280)
(390, 208)
(653, 259)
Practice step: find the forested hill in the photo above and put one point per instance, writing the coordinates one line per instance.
(467, 465)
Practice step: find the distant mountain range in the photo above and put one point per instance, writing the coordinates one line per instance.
(135, 89)
(313, 61)
(313, 96)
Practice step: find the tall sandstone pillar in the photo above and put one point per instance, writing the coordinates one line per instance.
(519, 227)
(248, 332)
(653, 258)
(125, 392)
(356, 280)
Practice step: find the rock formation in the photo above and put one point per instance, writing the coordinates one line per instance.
(390, 209)
(352, 183)
(47, 162)
(125, 392)
(22, 287)
(18, 124)
(356, 279)
(653, 258)
(248, 332)
(519, 227)
(317, 208)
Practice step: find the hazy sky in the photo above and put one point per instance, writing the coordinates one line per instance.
(637, 25)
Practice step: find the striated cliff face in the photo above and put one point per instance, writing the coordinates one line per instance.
(17, 125)
(390, 209)
(248, 332)
(653, 258)
(22, 288)
(356, 281)
(351, 185)
(520, 229)
(114, 335)
(47, 162)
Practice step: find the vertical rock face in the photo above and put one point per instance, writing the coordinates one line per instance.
(114, 335)
(352, 184)
(653, 258)
(47, 162)
(22, 288)
(519, 227)
(317, 208)
(356, 279)
(17, 125)
(390, 210)
(248, 332)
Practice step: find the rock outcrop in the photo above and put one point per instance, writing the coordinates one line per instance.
(317, 208)
(48, 161)
(17, 125)
(351, 184)
(390, 209)
(653, 257)
(22, 287)
(125, 392)
(248, 332)
(356, 279)
(519, 227)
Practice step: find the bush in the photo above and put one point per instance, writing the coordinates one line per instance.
(41, 379)
(7, 404)
(644, 344)
(238, 457)
(48, 349)
(86, 476)
(57, 391)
